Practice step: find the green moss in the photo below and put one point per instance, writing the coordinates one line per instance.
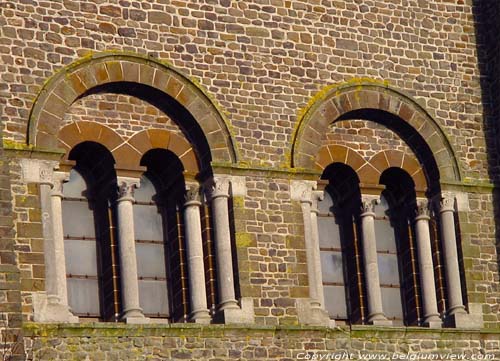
(244, 240)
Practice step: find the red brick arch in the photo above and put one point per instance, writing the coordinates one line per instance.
(335, 103)
(369, 171)
(80, 77)
(128, 152)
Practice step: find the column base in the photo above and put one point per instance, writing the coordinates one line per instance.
(236, 314)
(49, 309)
(134, 316)
(312, 315)
(379, 320)
(471, 320)
(433, 322)
(201, 317)
(136, 320)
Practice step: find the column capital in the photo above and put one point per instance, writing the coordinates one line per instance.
(317, 196)
(38, 171)
(218, 187)
(59, 178)
(368, 204)
(422, 211)
(301, 190)
(447, 202)
(192, 196)
(126, 188)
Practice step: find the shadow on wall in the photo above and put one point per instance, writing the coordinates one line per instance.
(487, 28)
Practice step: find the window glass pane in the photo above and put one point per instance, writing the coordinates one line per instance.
(329, 236)
(335, 301)
(391, 302)
(388, 269)
(83, 296)
(145, 192)
(78, 219)
(147, 223)
(81, 258)
(326, 204)
(153, 297)
(384, 234)
(150, 260)
(75, 185)
(331, 267)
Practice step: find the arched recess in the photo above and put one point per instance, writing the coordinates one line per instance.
(147, 78)
(128, 153)
(369, 101)
(370, 170)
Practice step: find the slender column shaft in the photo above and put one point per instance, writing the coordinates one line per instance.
(58, 237)
(194, 248)
(128, 259)
(305, 203)
(455, 302)
(316, 255)
(426, 267)
(220, 195)
(375, 310)
(49, 249)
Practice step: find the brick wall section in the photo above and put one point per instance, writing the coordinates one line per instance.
(263, 61)
(125, 114)
(367, 138)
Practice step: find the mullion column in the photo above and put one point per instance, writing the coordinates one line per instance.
(132, 312)
(219, 197)
(369, 243)
(194, 248)
(449, 241)
(426, 268)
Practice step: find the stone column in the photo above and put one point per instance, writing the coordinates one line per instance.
(369, 243)
(194, 250)
(305, 203)
(310, 311)
(51, 306)
(449, 241)
(58, 236)
(132, 312)
(219, 195)
(316, 255)
(426, 268)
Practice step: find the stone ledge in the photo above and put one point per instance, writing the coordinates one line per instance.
(103, 329)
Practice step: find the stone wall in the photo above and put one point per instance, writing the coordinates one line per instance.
(190, 342)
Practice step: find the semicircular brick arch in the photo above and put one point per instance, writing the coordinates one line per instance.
(128, 153)
(369, 171)
(82, 76)
(334, 102)
(149, 139)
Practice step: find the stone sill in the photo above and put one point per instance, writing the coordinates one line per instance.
(104, 329)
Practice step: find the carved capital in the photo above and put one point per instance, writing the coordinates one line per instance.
(368, 205)
(302, 190)
(218, 187)
(447, 202)
(423, 211)
(126, 188)
(317, 196)
(59, 179)
(38, 171)
(192, 195)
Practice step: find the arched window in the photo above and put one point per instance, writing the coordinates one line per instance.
(341, 257)
(150, 252)
(80, 248)
(90, 238)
